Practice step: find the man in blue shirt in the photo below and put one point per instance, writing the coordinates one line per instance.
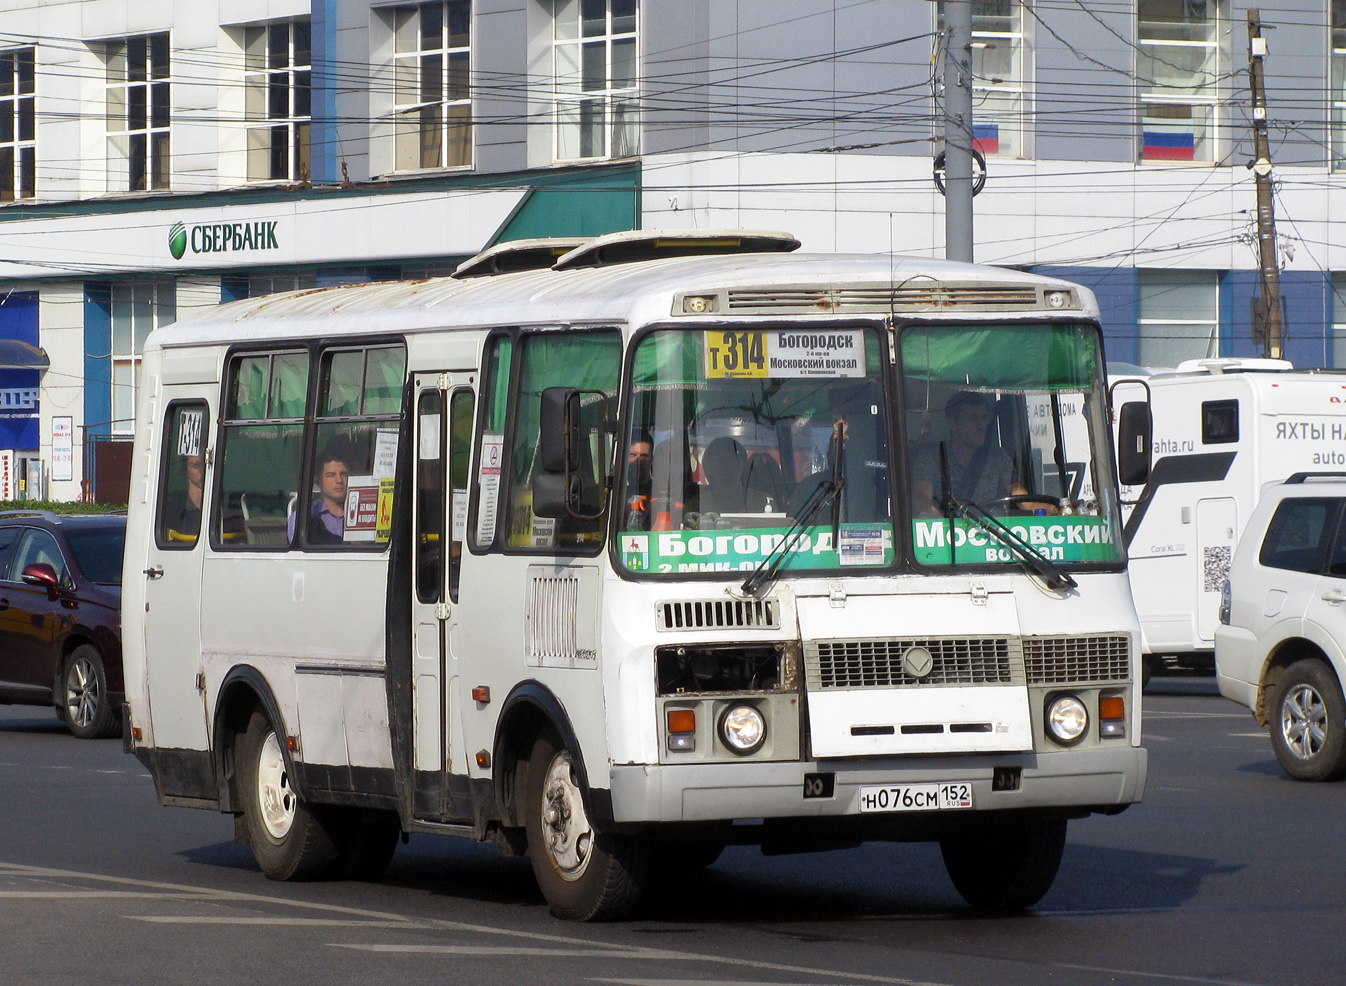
(327, 512)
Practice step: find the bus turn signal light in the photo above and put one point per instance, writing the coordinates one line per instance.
(681, 730)
(1112, 715)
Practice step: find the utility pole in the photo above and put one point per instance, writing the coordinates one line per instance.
(958, 130)
(1273, 344)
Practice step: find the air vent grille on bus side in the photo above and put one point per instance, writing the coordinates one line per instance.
(885, 664)
(914, 297)
(550, 620)
(718, 614)
(1057, 660)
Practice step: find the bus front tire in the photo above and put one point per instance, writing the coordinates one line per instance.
(1005, 865)
(584, 874)
(290, 840)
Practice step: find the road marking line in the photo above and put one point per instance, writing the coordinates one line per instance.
(1196, 715)
(495, 950)
(90, 895)
(596, 949)
(277, 921)
(1171, 977)
(690, 982)
(1257, 735)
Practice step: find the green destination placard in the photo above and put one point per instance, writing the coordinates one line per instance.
(667, 552)
(1055, 538)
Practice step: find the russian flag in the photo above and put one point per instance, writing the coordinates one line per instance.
(1164, 145)
(986, 138)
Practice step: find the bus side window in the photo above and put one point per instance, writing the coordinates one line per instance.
(460, 447)
(587, 361)
(182, 477)
(261, 445)
(360, 401)
(499, 364)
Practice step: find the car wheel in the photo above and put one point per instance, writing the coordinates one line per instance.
(290, 840)
(1005, 865)
(584, 874)
(84, 698)
(1308, 722)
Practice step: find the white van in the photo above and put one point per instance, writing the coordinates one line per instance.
(1224, 430)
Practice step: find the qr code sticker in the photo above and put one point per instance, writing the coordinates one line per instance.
(1215, 561)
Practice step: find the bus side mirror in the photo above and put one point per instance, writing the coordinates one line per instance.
(559, 436)
(1135, 430)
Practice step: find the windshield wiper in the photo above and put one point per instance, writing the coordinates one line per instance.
(828, 492)
(1030, 559)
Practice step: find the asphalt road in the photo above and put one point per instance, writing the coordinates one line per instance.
(1228, 873)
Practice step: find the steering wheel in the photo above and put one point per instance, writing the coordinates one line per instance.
(1020, 499)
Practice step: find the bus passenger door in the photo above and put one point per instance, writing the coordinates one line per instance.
(173, 573)
(443, 432)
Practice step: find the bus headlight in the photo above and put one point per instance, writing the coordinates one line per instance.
(742, 729)
(1067, 720)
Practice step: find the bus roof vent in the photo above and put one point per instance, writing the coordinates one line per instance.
(718, 614)
(636, 245)
(918, 296)
(517, 255)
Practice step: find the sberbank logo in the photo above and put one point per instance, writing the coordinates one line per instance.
(222, 237)
(177, 241)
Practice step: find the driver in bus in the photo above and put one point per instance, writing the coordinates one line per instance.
(327, 511)
(639, 481)
(979, 471)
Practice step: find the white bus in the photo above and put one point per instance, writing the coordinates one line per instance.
(673, 542)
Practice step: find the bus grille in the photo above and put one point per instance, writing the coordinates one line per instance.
(918, 296)
(1055, 660)
(550, 619)
(880, 663)
(717, 614)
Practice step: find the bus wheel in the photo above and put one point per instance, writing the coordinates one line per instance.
(1005, 866)
(584, 874)
(368, 841)
(1308, 722)
(290, 840)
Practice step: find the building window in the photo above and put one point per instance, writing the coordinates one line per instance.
(1179, 316)
(999, 70)
(137, 310)
(278, 80)
(1177, 71)
(18, 125)
(594, 67)
(433, 71)
(138, 113)
(1336, 353)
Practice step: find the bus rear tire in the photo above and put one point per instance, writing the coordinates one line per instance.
(584, 874)
(290, 840)
(1005, 865)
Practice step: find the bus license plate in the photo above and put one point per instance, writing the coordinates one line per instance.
(916, 797)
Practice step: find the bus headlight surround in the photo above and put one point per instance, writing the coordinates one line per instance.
(742, 729)
(1067, 720)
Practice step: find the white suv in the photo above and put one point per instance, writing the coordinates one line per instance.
(1281, 648)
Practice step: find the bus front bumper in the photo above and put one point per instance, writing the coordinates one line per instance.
(1092, 780)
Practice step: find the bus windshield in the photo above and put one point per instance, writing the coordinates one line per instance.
(733, 431)
(1005, 428)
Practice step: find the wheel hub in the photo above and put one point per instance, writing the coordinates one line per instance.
(1304, 721)
(81, 692)
(565, 826)
(275, 796)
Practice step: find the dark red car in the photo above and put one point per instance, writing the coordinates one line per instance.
(60, 616)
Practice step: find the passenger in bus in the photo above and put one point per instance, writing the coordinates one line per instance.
(326, 523)
(979, 470)
(639, 481)
(725, 463)
(189, 517)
